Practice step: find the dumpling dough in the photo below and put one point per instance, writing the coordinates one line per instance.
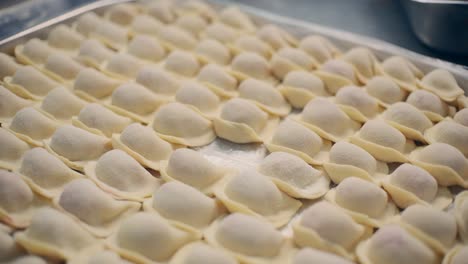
(220, 32)
(201, 253)
(122, 14)
(8, 66)
(218, 80)
(317, 115)
(410, 184)
(319, 47)
(190, 167)
(236, 18)
(265, 95)
(200, 8)
(457, 255)
(357, 103)
(445, 162)
(192, 23)
(98, 255)
(249, 64)
(94, 85)
(348, 160)
(294, 138)
(336, 74)
(365, 202)
(162, 11)
(408, 119)
(385, 90)
(93, 53)
(182, 63)
(95, 209)
(158, 81)
(100, 120)
(146, 48)
(111, 34)
(461, 215)
(391, 244)
(430, 104)
(180, 124)
(62, 104)
(200, 97)
(252, 193)
(364, 62)
(400, 70)
(461, 117)
(119, 174)
(310, 255)
(143, 144)
(34, 51)
(451, 133)
(276, 37)
(176, 38)
(294, 176)
(62, 67)
(30, 83)
(289, 59)
(251, 43)
(442, 83)
(63, 37)
(325, 226)
(10, 103)
(242, 121)
(12, 149)
(299, 87)
(210, 50)
(146, 24)
(86, 23)
(123, 66)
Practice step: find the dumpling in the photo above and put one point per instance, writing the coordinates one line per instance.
(348, 160)
(436, 228)
(18, 202)
(220, 32)
(265, 95)
(146, 24)
(461, 214)
(94, 208)
(310, 255)
(408, 119)
(184, 206)
(326, 227)
(249, 239)
(357, 103)
(143, 144)
(446, 163)
(401, 71)
(251, 65)
(182, 63)
(252, 193)
(94, 85)
(299, 87)
(61, 67)
(294, 138)
(364, 62)
(242, 121)
(12, 149)
(180, 124)
(111, 34)
(146, 48)
(122, 14)
(162, 11)
(118, 173)
(289, 59)
(54, 234)
(294, 176)
(93, 53)
(276, 37)
(430, 104)
(461, 117)
(201, 253)
(98, 255)
(198, 7)
(176, 38)
(319, 47)
(365, 202)
(317, 114)
(86, 23)
(30, 83)
(249, 43)
(457, 255)
(200, 97)
(385, 90)
(100, 120)
(63, 37)
(410, 184)
(192, 23)
(218, 80)
(45, 173)
(76, 146)
(383, 141)
(32, 126)
(192, 168)
(8, 66)
(336, 74)
(12, 253)
(391, 244)
(148, 238)
(236, 18)
(451, 133)
(210, 50)
(123, 66)
(34, 51)
(158, 81)
(62, 104)
(10, 103)
(442, 83)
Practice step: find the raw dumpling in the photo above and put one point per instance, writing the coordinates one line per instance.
(200, 97)
(317, 115)
(220, 32)
(146, 24)
(97, 255)
(289, 59)
(391, 244)
(265, 95)
(457, 255)
(62, 67)
(299, 87)
(451, 133)
(94, 85)
(242, 121)
(118, 173)
(364, 62)
(30, 83)
(252, 44)
(461, 117)
(236, 18)
(192, 23)
(294, 138)
(276, 37)
(365, 202)
(123, 66)
(319, 47)
(180, 124)
(445, 162)
(408, 119)
(100, 120)
(461, 215)
(442, 83)
(143, 144)
(252, 193)
(249, 64)
(87, 22)
(62, 104)
(94, 53)
(34, 51)
(122, 14)
(95, 209)
(210, 50)
(336, 74)
(357, 103)
(430, 104)
(8, 66)
(146, 48)
(218, 80)
(201, 253)
(12, 149)
(198, 7)
(162, 11)
(111, 34)
(182, 63)
(176, 38)
(158, 81)
(10, 103)
(385, 90)
(63, 37)
(310, 255)
(348, 160)
(409, 185)
(402, 71)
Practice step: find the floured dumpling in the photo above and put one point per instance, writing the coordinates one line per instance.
(294, 176)
(348, 160)
(357, 103)
(249, 64)
(45, 173)
(61, 67)
(402, 71)
(288, 59)
(430, 104)
(180, 124)
(217, 79)
(210, 50)
(87, 22)
(10, 103)
(457, 255)
(30, 83)
(317, 115)
(122, 14)
(146, 24)
(190, 167)
(408, 119)
(192, 23)
(63, 37)
(200, 8)
(96, 210)
(276, 37)
(461, 214)
(310, 255)
(92, 84)
(252, 193)
(236, 18)
(199, 96)
(93, 53)
(12, 253)
(299, 87)
(265, 95)
(201, 253)
(182, 63)
(118, 173)
(176, 38)
(34, 51)
(365, 202)
(385, 90)
(158, 81)
(220, 32)
(111, 34)
(146, 48)
(337, 73)
(325, 226)
(451, 133)
(294, 138)
(445, 162)
(62, 104)
(148, 238)
(8, 66)
(461, 117)
(318, 47)
(409, 185)
(391, 244)
(242, 121)
(383, 141)
(251, 43)
(123, 66)
(143, 144)
(100, 120)
(162, 11)
(364, 62)
(97, 255)
(12, 149)
(442, 83)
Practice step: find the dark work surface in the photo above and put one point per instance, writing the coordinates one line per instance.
(382, 19)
